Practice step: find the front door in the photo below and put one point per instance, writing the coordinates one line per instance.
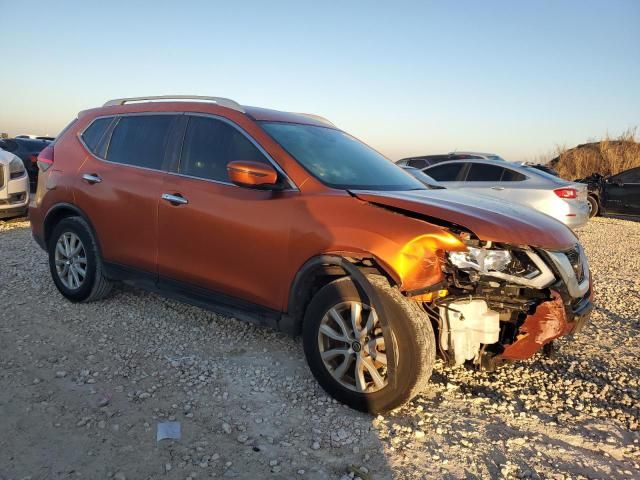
(622, 193)
(214, 234)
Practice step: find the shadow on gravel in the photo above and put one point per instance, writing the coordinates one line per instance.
(630, 321)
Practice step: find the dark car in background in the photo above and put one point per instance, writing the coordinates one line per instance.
(618, 194)
(27, 149)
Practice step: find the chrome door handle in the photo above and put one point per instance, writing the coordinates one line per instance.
(91, 178)
(497, 188)
(175, 199)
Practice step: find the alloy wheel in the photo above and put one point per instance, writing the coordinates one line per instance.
(352, 347)
(71, 260)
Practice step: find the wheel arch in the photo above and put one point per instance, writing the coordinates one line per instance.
(61, 211)
(320, 270)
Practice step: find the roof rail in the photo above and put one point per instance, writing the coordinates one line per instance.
(223, 102)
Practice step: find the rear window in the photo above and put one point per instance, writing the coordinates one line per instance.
(140, 140)
(94, 133)
(445, 172)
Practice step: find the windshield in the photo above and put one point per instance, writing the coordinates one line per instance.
(338, 159)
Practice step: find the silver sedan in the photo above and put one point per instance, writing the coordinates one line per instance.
(561, 199)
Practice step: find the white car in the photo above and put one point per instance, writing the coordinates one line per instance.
(517, 183)
(14, 186)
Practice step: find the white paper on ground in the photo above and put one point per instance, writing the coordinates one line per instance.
(168, 430)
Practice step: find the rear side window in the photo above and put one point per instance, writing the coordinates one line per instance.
(480, 172)
(419, 163)
(512, 176)
(210, 144)
(445, 172)
(94, 133)
(140, 140)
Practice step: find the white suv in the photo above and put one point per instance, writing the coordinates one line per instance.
(14, 186)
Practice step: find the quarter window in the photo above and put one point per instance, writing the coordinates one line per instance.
(480, 172)
(140, 140)
(420, 163)
(512, 176)
(445, 172)
(210, 144)
(92, 135)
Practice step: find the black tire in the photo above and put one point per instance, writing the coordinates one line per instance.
(95, 285)
(594, 206)
(414, 344)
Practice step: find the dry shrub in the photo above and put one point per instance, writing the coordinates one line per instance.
(607, 157)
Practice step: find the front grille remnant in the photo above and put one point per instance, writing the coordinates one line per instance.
(575, 259)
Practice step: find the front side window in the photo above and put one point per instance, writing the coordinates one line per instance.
(140, 140)
(480, 172)
(94, 133)
(210, 144)
(339, 160)
(630, 176)
(445, 172)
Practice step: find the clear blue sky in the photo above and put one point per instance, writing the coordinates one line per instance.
(408, 78)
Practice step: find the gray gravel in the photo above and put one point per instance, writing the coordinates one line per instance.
(83, 387)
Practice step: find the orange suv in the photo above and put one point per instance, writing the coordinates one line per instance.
(284, 219)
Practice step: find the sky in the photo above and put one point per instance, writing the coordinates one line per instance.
(409, 78)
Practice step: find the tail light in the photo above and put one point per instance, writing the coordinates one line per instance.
(566, 192)
(45, 159)
(33, 159)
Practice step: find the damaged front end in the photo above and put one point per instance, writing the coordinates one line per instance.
(502, 302)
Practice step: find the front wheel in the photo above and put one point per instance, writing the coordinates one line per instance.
(348, 355)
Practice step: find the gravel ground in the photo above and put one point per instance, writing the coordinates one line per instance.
(83, 387)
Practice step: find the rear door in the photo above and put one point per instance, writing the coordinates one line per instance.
(622, 193)
(119, 184)
(218, 236)
(485, 179)
(449, 174)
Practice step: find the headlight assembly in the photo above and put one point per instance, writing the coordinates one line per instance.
(16, 168)
(481, 259)
(522, 267)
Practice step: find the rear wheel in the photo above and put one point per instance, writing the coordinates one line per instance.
(347, 353)
(594, 208)
(75, 261)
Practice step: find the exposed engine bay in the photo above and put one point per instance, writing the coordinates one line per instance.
(502, 302)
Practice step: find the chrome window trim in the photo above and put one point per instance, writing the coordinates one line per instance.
(292, 186)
